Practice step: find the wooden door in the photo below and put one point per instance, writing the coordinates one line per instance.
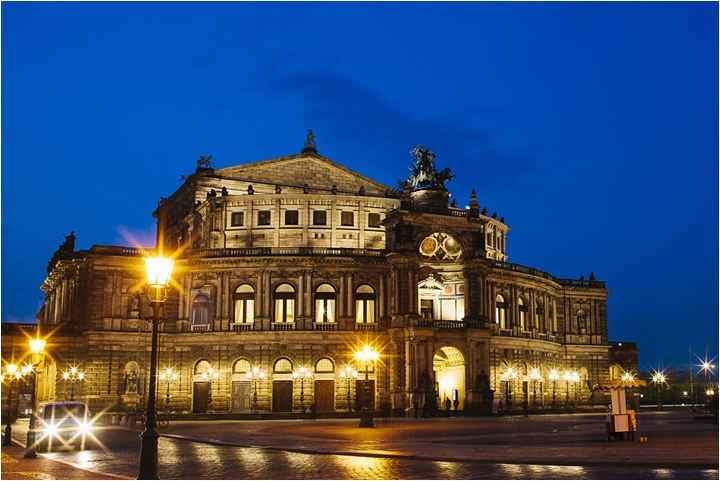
(325, 396)
(201, 390)
(282, 396)
(241, 396)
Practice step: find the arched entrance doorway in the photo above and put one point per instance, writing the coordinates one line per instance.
(449, 367)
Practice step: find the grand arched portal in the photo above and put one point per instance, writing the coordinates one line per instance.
(449, 367)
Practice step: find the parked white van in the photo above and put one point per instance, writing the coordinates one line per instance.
(64, 424)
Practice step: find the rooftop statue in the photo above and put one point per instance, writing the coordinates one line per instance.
(424, 173)
(205, 162)
(309, 145)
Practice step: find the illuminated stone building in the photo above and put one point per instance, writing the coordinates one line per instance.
(297, 262)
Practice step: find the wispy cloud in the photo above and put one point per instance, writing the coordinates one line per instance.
(346, 111)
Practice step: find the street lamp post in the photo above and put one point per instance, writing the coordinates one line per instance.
(37, 348)
(303, 374)
(707, 369)
(554, 376)
(11, 371)
(659, 379)
(567, 377)
(348, 374)
(168, 376)
(255, 375)
(209, 376)
(158, 277)
(576, 386)
(72, 375)
(367, 356)
(535, 376)
(509, 376)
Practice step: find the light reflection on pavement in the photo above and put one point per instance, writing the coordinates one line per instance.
(190, 460)
(285, 450)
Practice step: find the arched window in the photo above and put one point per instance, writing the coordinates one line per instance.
(522, 308)
(501, 312)
(200, 310)
(202, 367)
(325, 300)
(324, 365)
(365, 304)
(242, 366)
(282, 365)
(284, 303)
(244, 304)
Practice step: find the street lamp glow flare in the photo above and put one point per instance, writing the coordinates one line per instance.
(37, 347)
(158, 272)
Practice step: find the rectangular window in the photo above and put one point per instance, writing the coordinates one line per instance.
(324, 310)
(244, 310)
(291, 217)
(264, 217)
(426, 309)
(365, 310)
(319, 217)
(347, 218)
(284, 310)
(237, 218)
(373, 220)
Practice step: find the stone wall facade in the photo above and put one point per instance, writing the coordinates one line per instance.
(299, 262)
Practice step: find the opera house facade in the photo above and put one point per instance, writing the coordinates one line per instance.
(286, 268)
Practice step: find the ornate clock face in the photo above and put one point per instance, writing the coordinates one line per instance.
(441, 246)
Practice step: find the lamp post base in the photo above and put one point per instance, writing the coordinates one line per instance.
(366, 419)
(148, 468)
(8, 436)
(31, 443)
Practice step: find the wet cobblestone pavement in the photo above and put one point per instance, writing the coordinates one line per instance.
(543, 447)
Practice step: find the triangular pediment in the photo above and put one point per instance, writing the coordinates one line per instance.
(312, 169)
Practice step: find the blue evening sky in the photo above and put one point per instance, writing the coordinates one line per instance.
(591, 127)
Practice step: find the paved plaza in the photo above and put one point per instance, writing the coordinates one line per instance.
(674, 441)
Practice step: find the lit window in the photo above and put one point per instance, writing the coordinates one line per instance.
(244, 304)
(285, 303)
(282, 365)
(365, 304)
(324, 365)
(523, 314)
(501, 312)
(242, 366)
(427, 307)
(325, 297)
